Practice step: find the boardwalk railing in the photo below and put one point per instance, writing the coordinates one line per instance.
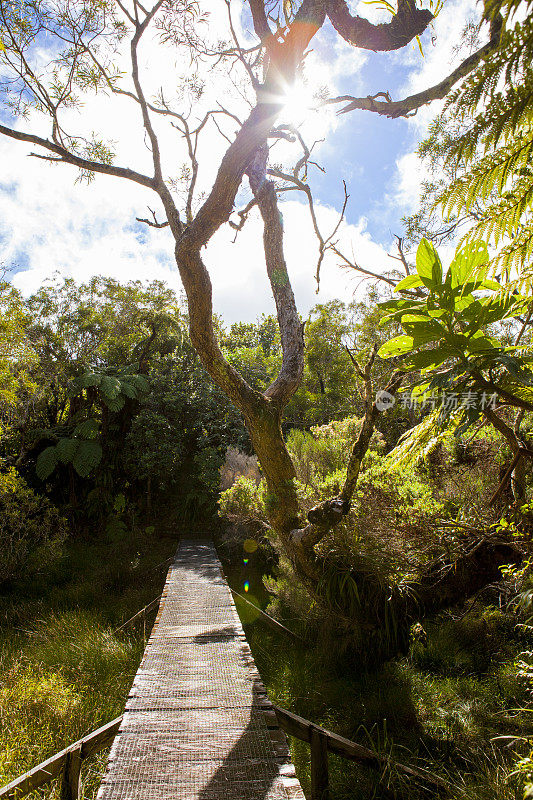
(66, 764)
(142, 613)
(323, 741)
(184, 627)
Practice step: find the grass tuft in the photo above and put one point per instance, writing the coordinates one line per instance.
(63, 671)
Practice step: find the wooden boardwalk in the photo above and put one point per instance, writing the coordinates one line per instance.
(198, 724)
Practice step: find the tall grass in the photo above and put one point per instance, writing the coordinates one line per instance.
(440, 708)
(63, 670)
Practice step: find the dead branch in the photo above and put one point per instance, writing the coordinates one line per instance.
(153, 223)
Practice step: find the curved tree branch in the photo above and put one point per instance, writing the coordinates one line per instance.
(291, 329)
(323, 517)
(408, 22)
(411, 104)
(261, 26)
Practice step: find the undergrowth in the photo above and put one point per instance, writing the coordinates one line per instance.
(457, 705)
(63, 670)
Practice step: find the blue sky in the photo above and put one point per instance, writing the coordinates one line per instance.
(367, 147)
(51, 225)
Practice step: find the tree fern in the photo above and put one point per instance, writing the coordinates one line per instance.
(87, 457)
(66, 449)
(109, 387)
(88, 429)
(114, 386)
(483, 141)
(46, 462)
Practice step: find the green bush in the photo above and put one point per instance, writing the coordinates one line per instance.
(31, 530)
(325, 449)
(245, 500)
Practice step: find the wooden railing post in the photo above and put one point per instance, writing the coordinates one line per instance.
(70, 778)
(319, 765)
(55, 766)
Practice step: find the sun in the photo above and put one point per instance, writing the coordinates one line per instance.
(298, 104)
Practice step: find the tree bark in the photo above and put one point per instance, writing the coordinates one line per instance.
(408, 22)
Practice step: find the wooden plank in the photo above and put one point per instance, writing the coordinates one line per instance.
(70, 778)
(194, 727)
(319, 765)
(48, 770)
(301, 728)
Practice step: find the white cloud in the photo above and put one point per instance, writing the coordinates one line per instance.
(410, 172)
(239, 274)
(442, 53)
(440, 58)
(50, 225)
(80, 231)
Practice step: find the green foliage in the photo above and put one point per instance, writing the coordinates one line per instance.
(440, 708)
(86, 458)
(31, 529)
(324, 450)
(114, 387)
(88, 429)
(244, 500)
(152, 448)
(63, 672)
(418, 442)
(83, 454)
(47, 462)
(23, 26)
(453, 317)
(481, 146)
(118, 398)
(329, 388)
(18, 357)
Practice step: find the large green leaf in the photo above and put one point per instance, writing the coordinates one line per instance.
(402, 302)
(497, 308)
(66, 449)
(471, 261)
(428, 264)
(427, 359)
(422, 327)
(463, 301)
(88, 457)
(409, 282)
(46, 462)
(479, 344)
(396, 347)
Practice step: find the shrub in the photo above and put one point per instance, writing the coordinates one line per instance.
(245, 500)
(237, 465)
(31, 530)
(325, 450)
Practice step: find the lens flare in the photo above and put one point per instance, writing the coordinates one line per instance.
(246, 560)
(246, 586)
(250, 545)
(298, 103)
